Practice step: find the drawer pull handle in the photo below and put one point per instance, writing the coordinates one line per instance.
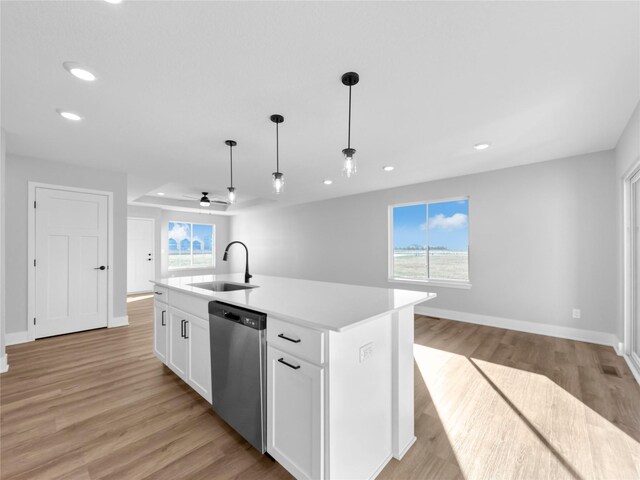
(282, 335)
(164, 323)
(295, 367)
(158, 293)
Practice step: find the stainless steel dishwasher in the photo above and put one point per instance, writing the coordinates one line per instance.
(238, 369)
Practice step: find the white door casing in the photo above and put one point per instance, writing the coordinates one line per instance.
(140, 254)
(634, 327)
(71, 245)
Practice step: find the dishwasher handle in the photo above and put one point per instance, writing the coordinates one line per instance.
(230, 316)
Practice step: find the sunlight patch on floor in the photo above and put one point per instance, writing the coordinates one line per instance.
(137, 298)
(497, 416)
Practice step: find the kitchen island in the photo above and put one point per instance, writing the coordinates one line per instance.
(347, 407)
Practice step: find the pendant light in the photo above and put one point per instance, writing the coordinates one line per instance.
(278, 177)
(349, 79)
(204, 201)
(232, 191)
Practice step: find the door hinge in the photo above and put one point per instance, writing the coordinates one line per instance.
(34, 262)
(34, 204)
(34, 320)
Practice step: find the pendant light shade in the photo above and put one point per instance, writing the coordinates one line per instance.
(204, 201)
(349, 166)
(278, 182)
(232, 191)
(277, 176)
(232, 195)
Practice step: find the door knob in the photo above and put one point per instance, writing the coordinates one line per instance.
(101, 267)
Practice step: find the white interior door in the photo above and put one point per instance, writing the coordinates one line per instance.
(140, 254)
(635, 270)
(71, 252)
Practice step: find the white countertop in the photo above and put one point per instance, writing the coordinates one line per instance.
(323, 305)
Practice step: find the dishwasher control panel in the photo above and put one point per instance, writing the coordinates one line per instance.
(243, 316)
(250, 322)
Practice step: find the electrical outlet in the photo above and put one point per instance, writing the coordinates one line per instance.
(366, 351)
(576, 313)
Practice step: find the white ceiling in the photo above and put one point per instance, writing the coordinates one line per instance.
(539, 80)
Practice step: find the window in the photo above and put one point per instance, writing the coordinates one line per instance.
(190, 245)
(430, 242)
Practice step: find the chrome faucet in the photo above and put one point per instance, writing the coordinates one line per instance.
(246, 265)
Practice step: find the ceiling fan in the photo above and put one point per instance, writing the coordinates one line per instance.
(205, 201)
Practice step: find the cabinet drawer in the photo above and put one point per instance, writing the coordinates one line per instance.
(161, 294)
(188, 303)
(300, 341)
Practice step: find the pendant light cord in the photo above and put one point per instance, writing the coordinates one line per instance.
(349, 135)
(277, 150)
(231, 162)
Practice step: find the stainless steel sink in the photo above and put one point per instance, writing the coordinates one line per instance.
(223, 286)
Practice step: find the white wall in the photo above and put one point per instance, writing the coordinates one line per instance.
(542, 241)
(3, 357)
(162, 219)
(20, 171)
(627, 158)
(628, 147)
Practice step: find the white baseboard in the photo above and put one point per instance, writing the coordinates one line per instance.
(632, 367)
(15, 338)
(407, 447)
(590, 336)
(119, 321)
(23, 337)
(4, 363)
(381, 467)
(619, 348)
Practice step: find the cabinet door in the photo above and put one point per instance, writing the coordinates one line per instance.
(178, 345)
(199, 368)
(160, 328)
(295, 415)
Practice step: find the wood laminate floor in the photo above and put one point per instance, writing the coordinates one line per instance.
(490, 403)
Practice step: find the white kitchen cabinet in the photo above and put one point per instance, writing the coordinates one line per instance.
(160, 330)
(178, 344)
(343, 406)
(295, 415)
(185, 340)
(199, 356)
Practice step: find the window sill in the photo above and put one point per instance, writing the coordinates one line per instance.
(432, 283)
(199, 267)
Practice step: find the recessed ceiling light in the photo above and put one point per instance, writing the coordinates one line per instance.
(481, 146)
(69, 115)
(328, 182)
(115, 2)
(160, 193)
(388, 168)
(79, 72)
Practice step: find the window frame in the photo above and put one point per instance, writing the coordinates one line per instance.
(213, 246)
(463, 284)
